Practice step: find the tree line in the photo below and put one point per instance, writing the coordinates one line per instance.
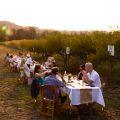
(84, 46)
(17, 34)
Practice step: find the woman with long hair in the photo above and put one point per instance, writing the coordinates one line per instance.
(37, 81)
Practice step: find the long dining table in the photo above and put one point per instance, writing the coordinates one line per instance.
(80, 93)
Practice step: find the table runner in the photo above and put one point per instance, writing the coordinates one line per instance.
(85, 96)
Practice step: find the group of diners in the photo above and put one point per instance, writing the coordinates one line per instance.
(36, 74)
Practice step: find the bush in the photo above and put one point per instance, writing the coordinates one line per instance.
(115, 73)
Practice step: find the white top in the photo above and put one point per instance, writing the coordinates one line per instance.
(26, 68)
(11, 60)
(29, 61)
(94, 76)
(18, 60)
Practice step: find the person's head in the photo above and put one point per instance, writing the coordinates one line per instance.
(55, 70)
(82, 67)
(28, 55)
(49, 59)
(89, 67)
(11, 56)
(7, 54)
(20, 54)
(53, 59)
(37, 69)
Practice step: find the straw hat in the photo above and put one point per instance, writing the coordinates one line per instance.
(53, 59)
(28, 55)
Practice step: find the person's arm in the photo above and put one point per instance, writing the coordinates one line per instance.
(63, 80)
(37, 75)
(79, 76)
(86, 79)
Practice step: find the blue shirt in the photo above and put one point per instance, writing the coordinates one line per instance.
(52, 80)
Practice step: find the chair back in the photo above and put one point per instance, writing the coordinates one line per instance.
(48, 91)
(48, 97)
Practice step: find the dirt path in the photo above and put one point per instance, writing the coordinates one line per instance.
(16, 103)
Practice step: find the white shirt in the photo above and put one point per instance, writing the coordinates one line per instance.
(94, 76)
(26, 68)
(29, 61)
(47, 63)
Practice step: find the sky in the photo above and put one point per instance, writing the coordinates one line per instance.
(78, 15)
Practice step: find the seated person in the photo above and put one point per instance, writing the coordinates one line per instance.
(47, 63)
(52, 80)
(37, 81)
(80, 74)
(29, 61)
(50, 63)
(91, 77)
(6, 58)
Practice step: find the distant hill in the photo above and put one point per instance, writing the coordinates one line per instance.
(11, 25)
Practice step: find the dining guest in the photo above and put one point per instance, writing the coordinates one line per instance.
(53, 80)
(80, 74)
(26, 73)
(48, 63)
(32, 67)
(53, 62)
(91, 77)
(29, 61)
(6, 58)
(11, 62)
(19, 60)
(37, 81)
(22, 72)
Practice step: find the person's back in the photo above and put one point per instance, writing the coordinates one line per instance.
(52, 80)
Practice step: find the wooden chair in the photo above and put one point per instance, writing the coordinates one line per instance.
(48, 100)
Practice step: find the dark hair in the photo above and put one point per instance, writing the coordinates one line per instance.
(7, 54)
(11, 56)
(82, 66)
(54, 70)
(20, 53)
(37, 67)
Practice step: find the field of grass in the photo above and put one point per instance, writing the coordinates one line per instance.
(16, 103)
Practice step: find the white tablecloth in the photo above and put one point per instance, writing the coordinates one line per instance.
(74, 94)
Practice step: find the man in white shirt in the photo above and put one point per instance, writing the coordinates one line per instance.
(29, 60)
(91, 77)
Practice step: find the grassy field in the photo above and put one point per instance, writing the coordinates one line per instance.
(16, 103)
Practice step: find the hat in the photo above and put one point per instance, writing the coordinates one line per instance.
(28, 55)
(53, 59)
